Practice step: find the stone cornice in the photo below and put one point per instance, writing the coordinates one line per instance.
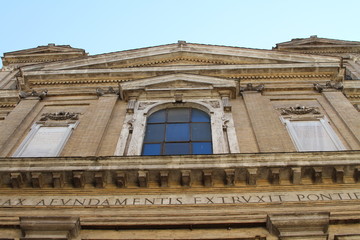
(189, 48)
(292, 168)
(300, 159)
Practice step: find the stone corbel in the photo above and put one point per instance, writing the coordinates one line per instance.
(164, 178)
(338, 174)
(33, 95)
(37, 180)
(317, 175)
(275, 176)
(100, 179)
(296, 175)
(330, 85)
(121, 179)
(186, 178)
(131, 105)
(249, 87)
(58, 180)
(357, 174)
(17, 180)
(35, 228)
(251, 176)
(226, 103)
(79, 179)
(143, 178)
(208, 178)
(230, 177)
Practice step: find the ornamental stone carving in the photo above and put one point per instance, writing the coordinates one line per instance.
(59, 116)
(34, 93)
(250, 87)
(110, 90)
(329, 85)
(298, 110)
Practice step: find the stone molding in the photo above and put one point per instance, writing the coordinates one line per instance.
(299, 225)
(250, 87)
(35, 228)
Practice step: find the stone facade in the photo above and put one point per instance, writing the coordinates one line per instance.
(72, 142)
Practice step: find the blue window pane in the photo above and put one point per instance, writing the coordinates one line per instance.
(154, 133)
(199, 116)
(200, 132)
(152, 149)
(177, 148)
(177, 132)
(157, 117)
(202, 148)
(178, 115)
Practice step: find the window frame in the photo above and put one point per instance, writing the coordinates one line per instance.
(35, 129)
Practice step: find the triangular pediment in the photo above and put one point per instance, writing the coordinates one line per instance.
(315, 41)
(51, 48)
(182, 54)
(178, 83)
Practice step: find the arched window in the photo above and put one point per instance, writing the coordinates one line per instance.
(176, 131)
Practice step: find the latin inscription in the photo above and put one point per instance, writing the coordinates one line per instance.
(185, 199)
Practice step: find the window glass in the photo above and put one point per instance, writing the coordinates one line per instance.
(177, 132)
(201, 147)
(178, 115)
(200, 132)
(185, 131)
(155, 133)
(152, 149)
(199, 116)
(157, 117)
(177, 148)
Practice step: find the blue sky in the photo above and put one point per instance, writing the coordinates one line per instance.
(107, 26)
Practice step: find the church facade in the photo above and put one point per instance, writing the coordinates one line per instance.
(181, 141)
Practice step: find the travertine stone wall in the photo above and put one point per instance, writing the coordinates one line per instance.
(86, 140)
(270, 134)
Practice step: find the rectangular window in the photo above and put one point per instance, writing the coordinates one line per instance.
(313, 135)
(44, 141)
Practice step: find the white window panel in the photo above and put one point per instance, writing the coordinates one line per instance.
(313, 135)
(44, 141)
